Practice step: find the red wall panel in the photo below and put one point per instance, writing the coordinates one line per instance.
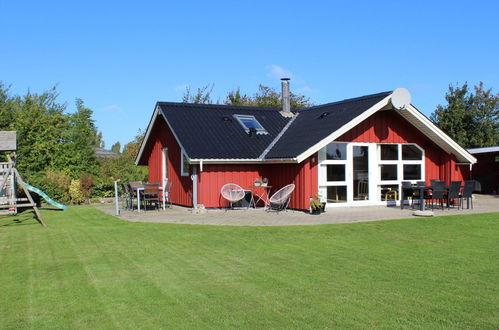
(389, 127)
(384, 126)
(162, 137)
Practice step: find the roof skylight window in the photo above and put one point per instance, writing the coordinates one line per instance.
(249, 123)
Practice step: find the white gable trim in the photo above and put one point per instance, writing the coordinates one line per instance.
(343, 129)
(148, 132)
(154, 117)
(425, 126)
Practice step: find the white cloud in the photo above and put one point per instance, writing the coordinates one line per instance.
(180, 88)
(113, 107)
(305, 90)
(277, 72)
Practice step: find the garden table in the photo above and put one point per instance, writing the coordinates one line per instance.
(264, 196)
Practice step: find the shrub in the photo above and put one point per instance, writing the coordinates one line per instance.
(77, 196)
(86, 183)
(54, 184)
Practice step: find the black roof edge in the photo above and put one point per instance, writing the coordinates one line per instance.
(218, 106)
(347, 100)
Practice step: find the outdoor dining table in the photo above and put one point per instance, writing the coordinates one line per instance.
(265, 196)
(422, 190)
(138, 189)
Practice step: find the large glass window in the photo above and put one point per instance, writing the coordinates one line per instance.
(185, 164)
(336, 151)
(411, 152)
(388, 172)
(336, 194)
(335, 173)
(389, 152)
(412, 172)
(360, 172)
(389, 192)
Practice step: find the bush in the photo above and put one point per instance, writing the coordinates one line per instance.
(86, 183)
(55, 184)
(77, 196)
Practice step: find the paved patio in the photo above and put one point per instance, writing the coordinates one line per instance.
(260, 217)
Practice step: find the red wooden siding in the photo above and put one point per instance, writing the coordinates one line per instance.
(162, 137)
(213, 177)
(382, 127)
(389, 127)
(303, 175)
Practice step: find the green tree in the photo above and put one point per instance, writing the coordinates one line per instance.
(40, 122)
(131, 149)
(266, 97)
(201, 96)
(116, 147)
(470, 118)
(78, 155)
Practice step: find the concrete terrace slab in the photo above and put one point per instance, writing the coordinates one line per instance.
(260, 217)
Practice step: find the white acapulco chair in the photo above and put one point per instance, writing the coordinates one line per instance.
(232, 192)
(280, 199)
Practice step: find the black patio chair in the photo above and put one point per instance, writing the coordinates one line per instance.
(151, 195)
(133, 186)
(439, 194)
(407, 192)
(454, 193)
(469, 187)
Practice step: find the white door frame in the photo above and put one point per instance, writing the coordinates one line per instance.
(371, 170)
(164, 166)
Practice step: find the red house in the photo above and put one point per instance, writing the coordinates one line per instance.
(353, 152)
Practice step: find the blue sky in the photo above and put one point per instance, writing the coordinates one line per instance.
(121, 57)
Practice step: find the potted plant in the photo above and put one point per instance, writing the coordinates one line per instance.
(316, 206)
(259, 182)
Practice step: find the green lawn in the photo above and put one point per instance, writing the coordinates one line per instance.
(90, 270)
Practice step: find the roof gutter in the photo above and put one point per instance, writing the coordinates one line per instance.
(243, 161)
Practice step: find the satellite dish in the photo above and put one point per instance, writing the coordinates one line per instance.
(401, 98)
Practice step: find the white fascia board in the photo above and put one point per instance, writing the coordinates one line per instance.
(154, 117)
(148, 132)
(243, 161)
(460, 151)
(345, 128)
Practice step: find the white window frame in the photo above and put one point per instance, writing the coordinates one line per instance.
(323, 162)
(261, 130)
(375, 181)
(400, 164)
(182, 155)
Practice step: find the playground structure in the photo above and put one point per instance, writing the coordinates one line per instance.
(10, 178)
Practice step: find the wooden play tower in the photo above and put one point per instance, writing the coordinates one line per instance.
(10, 178)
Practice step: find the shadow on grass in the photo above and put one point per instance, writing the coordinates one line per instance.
(23, 218)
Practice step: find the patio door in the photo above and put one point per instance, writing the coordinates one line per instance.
(360, 173)
(164, 167)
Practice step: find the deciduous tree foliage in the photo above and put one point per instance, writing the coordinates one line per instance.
(470, 117)
(264, 97)
(55, 147)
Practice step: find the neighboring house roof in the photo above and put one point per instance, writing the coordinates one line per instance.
(104, 153)
(483, 150)
(210, 133)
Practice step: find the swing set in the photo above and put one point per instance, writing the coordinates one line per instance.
(10, 179)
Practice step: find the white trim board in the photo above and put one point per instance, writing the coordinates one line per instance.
(156, 113)
(342, 130)
(435, 134)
